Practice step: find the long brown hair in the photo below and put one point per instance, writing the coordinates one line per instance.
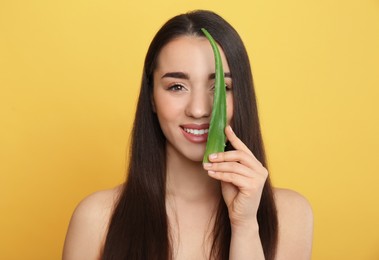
(139, 227)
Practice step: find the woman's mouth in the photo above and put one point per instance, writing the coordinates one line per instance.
(196, 133)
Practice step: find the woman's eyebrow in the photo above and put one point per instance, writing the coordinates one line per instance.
(226, 75)
(177, 75)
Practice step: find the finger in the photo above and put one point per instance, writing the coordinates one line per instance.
(237, 143)
(228, 177)
(236, 156)
(244, 185)
(242, 157)
(233, 167)
(238, 169)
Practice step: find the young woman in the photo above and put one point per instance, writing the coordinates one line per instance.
(172, 206)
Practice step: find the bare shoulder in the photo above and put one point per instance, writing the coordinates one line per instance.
(295, 217)
(88, 225)
(292, 201)
(98, 204)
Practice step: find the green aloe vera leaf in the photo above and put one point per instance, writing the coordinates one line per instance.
(216, 135)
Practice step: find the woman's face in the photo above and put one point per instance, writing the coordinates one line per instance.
(183, 94)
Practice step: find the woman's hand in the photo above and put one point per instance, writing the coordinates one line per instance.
(242, 179)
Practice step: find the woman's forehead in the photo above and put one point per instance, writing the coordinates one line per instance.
(188, 53)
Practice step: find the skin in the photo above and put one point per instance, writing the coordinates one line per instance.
(193, 189)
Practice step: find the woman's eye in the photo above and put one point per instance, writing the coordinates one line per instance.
(227, 87)
(176, 87)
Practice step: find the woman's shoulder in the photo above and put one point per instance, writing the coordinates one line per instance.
(97, 207)
(295, 216)
(287, 199)
(88, 225)
(98, 202)
(292, 206)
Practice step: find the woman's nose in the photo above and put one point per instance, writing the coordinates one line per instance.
(199, 104)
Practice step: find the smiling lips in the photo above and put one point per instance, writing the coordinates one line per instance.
(196, 133)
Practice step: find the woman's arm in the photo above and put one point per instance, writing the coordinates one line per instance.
(246, 244)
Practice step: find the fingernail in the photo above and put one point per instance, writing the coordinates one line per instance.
(211, 172)
(230, 128)
(213, 156)
(207, 165)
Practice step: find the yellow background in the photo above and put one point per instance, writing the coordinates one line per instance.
(69, 77)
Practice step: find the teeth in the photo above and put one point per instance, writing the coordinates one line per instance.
(196, 131)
